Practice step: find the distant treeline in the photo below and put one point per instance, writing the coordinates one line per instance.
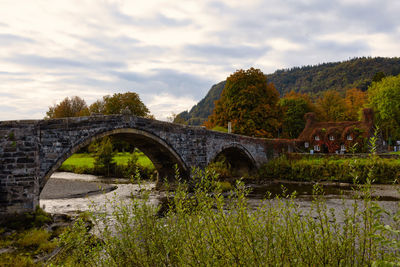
(313, 80)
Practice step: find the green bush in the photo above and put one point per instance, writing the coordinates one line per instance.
(34, 238)
(385, 170)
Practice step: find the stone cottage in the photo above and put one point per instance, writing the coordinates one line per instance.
(336, 137)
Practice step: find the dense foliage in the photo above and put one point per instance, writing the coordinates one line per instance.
(294, 106)
(314, 80)
(250, 103)
(384, 97)
(330, 169)
(128, 102)
(331, 106)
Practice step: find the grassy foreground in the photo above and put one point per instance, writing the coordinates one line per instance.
(201, 227)
(29, 239)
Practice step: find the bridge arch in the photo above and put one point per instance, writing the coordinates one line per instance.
(162, 155)
(239, 158)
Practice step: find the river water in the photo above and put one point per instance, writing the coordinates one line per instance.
(69, 193)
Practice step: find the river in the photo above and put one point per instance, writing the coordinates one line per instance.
(69, 193)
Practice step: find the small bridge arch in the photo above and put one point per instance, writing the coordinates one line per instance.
(238, 157)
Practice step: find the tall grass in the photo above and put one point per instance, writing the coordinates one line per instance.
(204, 228)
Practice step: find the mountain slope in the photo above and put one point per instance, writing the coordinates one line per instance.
(339, 76)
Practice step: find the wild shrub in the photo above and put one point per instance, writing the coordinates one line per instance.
(204, 228)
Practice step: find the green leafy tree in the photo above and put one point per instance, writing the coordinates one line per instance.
(384, 98)
(294, 106)
(69, 107)
(331, 107)
(103, 156)
(378, 76)
(119, 103)
(250, 103)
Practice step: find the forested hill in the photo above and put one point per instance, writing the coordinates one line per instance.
(357, 72)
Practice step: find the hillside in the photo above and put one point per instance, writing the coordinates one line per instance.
(357, 72)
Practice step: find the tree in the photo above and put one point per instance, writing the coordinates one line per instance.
(294, 106)
(69, 107)
(175, 118)
(250, 103)
(103, 156)
(355, 100)
(331, 107)
(119, 103)
(384, 98)
(378, 76)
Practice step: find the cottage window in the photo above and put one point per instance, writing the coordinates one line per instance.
(343, 148)
(316, 138)
(349, 137)
(331, 137)
(317, 148)
(306, 144)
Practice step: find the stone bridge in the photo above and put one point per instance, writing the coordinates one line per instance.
(31, 150)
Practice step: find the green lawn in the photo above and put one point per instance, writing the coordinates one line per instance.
(87, 160)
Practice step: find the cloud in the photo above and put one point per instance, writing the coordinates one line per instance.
(173, 50)
(226, 52)
(166, 104)
(155, 20)
(165, 80)
(60, 62)
(10, 39)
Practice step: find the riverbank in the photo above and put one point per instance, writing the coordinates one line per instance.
(63, 188)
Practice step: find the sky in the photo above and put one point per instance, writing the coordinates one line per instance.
(172, 52)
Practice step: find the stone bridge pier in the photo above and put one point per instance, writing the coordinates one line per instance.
(31, 150)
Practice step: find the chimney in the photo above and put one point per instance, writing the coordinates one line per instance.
(310, 118)
(368, 116)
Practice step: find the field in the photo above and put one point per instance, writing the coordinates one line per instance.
(122, 158)
(83, 163)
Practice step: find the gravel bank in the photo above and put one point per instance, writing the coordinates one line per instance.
(62, 188)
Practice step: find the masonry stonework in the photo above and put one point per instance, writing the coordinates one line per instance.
(31, 150)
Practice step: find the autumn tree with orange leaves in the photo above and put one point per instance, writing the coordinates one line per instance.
(250, 103)
(354, 101)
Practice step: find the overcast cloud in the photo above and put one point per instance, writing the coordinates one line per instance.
(172, 52)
